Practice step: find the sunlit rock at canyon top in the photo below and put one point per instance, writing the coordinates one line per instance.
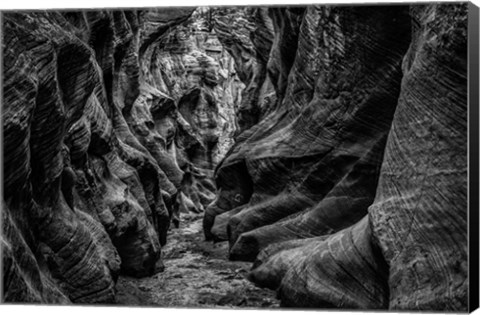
(211, 156)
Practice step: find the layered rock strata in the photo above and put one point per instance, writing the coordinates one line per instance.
(98, 154)
(346, 184)
(352, 191)
(191, 66)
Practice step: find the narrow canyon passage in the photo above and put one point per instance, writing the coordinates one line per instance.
(197, 274)
(162, 156)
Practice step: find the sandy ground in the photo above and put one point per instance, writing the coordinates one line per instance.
(197, 274)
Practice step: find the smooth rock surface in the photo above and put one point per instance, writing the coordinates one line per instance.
(326, 144)
(352, 192)
(93, 173)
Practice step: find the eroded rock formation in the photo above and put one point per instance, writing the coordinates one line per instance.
(351, 191)
(110, 128)
(344, 132)
(192, 67)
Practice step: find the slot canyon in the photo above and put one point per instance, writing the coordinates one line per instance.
(263, 157)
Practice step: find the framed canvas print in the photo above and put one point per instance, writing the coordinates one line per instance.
(315, 156)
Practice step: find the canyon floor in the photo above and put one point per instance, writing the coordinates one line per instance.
(197, 274)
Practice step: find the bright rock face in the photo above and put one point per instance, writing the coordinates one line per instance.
(351, 192)
(109, 132)
(192, 67)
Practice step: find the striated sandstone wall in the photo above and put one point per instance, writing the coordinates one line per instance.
(351, 192)
(346, 184)
(198, 74)
(100, 152)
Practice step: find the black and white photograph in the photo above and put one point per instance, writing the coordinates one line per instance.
(318, 156)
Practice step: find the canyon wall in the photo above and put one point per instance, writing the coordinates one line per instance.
(192, 67)
(351, 190)
(113, 122)
(344, 132)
